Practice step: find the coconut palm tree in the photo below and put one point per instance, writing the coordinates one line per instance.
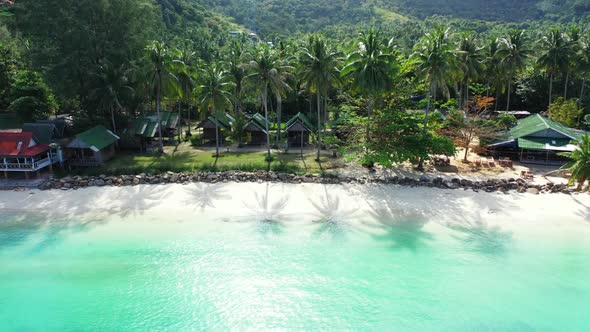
(553, 57)
(371, 67)
(571, 54)
(111, 83)
(494, 71)
(435, 60)
(162, 78)
(214, 95)
(268, 74)
(183, 67)
(319, 72)
(514, 53)
(584, 63)
(579, 166)
(471, 61)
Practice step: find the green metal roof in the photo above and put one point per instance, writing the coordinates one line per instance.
(259, 122)
(301, 118)
(98, 137)
(536, 123)
(144, 127)
(545, 143)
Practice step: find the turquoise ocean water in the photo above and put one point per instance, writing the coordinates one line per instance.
(142, 273)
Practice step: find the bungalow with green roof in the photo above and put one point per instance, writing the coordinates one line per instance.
(93, 147)
(140, 133)
(210, 124)
(168, 121)
(255, 130)
(298, 129)
(537, 140)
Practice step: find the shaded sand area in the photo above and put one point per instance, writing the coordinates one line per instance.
(258, 256)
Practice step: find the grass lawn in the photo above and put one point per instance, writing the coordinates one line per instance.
(185, 158)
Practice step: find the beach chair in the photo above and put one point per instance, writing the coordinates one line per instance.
(492, 162)
(478, 162)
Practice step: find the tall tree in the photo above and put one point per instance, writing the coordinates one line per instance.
(471, 61)
(214, 95)
(319, 71)
(110, 84)
(579, 165)
(184, 69)
(514, 53)
(267, 72)
(553, 57)
(162, 78)
(435, 60)
(570, 62)
(371, 67)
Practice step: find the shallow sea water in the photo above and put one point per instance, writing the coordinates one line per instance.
(255, 263)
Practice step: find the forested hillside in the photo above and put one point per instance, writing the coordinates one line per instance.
(288, 16)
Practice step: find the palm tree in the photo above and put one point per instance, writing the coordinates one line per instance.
(553, 57)
(514, 52)
(471, 62)
(183, 66)
(495, 72)
(214, 95)
(579, 166)
(571, 54)
(111, 84)
(237, 72)
(268, 74)
(584, 63)
(162, 78)
(319, 71)
(371, 67)
(435, 60)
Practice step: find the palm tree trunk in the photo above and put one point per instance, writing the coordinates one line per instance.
(158, 114)
(582, 91)
(265, 105)
(567, 80)
(497, 97)
(113, 119)
(216, 135)
(318, 97)
(508, 93)
(426, 116)
(179, 122)
(369, 112)
(550, 88)
(279, 116)
(466, 92)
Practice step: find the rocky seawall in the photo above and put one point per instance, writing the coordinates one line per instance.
(490, 185)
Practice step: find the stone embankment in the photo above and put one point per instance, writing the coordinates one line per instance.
(491, 185)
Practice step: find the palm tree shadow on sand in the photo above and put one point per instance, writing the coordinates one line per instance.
(334, 219)
(478, 236)
(402, 227)
(267, 212)
(204, 196)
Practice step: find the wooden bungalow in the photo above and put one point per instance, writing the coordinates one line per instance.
(209, 125)
(537, 140)
(93, 147)
(21, 152)
(298, 129)
(169, 123)
(140, 134)
(255, 130)
(45, 133)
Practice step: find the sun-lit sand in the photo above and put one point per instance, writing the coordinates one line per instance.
(307, 202)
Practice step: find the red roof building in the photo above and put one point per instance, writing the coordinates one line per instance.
(20, 152)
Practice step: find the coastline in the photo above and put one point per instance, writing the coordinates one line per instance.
(306, 201)
(494, 184)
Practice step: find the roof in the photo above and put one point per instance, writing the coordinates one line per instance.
(45, 133)
(60, 125)
(144, 127)
(301, 119)
(537, 124)
(20, 145)
(545, 143)
(224, 122)
(167, 119)
(95, 139)
(258, 122)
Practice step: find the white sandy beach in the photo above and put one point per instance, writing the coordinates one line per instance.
(304, 202)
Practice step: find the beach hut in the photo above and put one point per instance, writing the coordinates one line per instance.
(537, 140)
(21, 152)
(44, 133)
(140, 134)
(298, 129)
(208, 126)
(168, 121)
(93, 147)
(256, 130)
